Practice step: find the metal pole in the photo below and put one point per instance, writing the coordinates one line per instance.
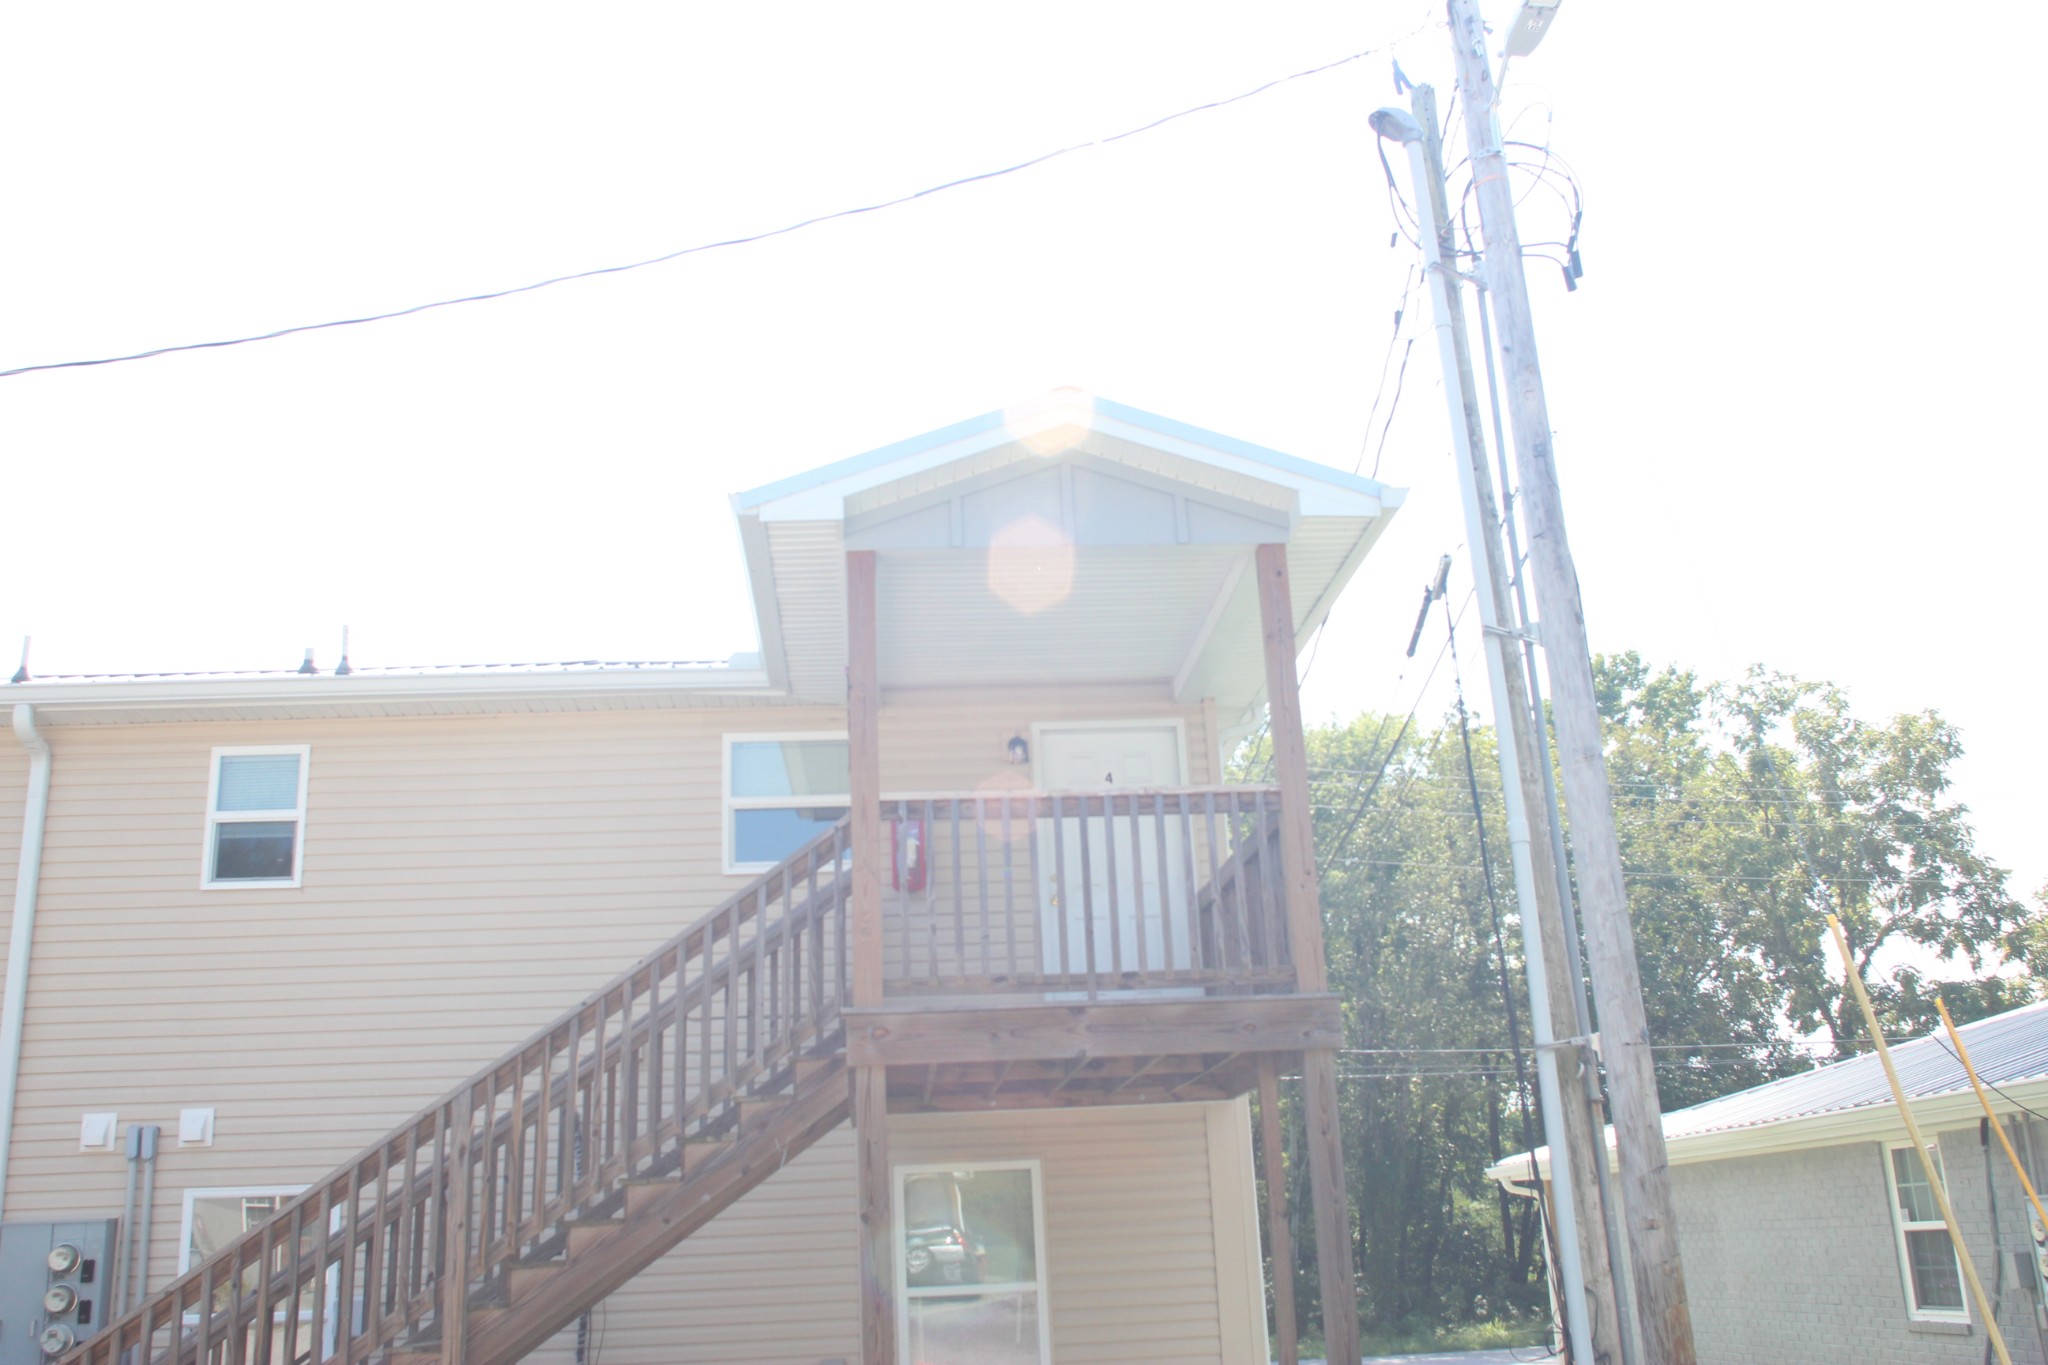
(146, 1152)
(1665, 1317)
(1591, 1323)
(1582, 1017)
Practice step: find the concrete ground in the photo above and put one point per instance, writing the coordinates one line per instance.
(1514, 1355)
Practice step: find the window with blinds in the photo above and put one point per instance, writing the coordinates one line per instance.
(256, 816)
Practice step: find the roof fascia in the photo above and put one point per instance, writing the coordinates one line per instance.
(53, 701)
(1314, 482)
(820, 494)
(1865, 1123)
(760, 567)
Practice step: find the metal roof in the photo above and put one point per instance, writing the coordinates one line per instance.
(1851, 1100)
(401, 670)
(2006, 1048)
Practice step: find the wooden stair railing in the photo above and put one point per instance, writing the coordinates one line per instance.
(436, 1233)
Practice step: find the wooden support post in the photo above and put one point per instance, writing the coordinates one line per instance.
(1305, 940)
(454, 1307)
(870, 1083)
(877, 1232)
(1279, 1237)
(864, 758)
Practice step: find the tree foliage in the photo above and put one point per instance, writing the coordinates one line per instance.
(1746, 812)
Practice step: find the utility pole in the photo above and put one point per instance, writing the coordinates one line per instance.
(1665, 1320)
(1590, 1302)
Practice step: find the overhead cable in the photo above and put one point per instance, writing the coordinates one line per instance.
(744, 240)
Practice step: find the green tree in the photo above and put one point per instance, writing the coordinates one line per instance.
(1746, 812)
(1751, 811)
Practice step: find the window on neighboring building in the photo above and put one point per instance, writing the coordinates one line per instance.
(256, 816)
(781, 792)
(1927, 1256)
(970, 1265)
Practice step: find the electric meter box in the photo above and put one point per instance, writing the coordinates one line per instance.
(56, 1285)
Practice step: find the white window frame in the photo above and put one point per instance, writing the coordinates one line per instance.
(904, 1293)
(216, 818)
(730, 803)
(284, 1194)
(1900, 1227)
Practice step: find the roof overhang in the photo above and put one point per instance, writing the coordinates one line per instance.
(1146, 523)
(427, 691)
(1864, 1123)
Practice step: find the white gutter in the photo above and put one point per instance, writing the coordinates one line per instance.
(1878, 1122)
(57, 699)
(28, 874)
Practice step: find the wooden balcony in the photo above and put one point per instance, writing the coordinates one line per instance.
(1045, 948)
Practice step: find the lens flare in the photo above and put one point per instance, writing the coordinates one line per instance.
(1030, 564)
(1051, 422)
(1005, 783)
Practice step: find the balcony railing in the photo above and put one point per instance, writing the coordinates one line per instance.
(1084, 895)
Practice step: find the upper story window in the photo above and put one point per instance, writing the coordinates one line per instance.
(256, 815)
(1927, 1255)
(781, 792)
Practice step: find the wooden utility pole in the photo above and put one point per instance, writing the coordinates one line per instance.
(1665, 1319)
(1578, 1150)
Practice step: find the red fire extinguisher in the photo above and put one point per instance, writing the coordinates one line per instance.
(906, 843)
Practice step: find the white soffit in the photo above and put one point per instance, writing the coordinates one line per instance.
(1155, 512)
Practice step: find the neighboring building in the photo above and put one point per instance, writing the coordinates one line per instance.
(952, 854)
(1808, 1230)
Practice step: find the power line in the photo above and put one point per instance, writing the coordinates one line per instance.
(1379, 774)
(1644, 874)
(744, 240)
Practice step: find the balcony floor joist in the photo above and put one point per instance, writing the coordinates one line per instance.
(1067, 1032)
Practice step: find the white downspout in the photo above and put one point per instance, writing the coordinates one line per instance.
(28, 875)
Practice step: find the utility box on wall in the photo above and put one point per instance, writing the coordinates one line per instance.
(56, 1285)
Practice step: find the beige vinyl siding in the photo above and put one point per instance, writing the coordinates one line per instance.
(1133, 1246)
(465, 880)
(1131, 1263)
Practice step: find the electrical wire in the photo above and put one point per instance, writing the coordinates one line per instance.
(1524, 1090)
(1401, 312)
(1378, 775)
(1387, 427)
(743, 240)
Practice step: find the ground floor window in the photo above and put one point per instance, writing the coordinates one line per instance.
(214, 1218)
(1927, 1255)
(970, 1264)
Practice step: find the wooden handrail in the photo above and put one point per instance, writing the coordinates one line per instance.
(410, 1266)
(1155, 888)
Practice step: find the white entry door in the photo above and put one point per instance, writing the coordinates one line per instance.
(1093, 759)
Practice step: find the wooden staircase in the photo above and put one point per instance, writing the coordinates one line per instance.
(499, 1214)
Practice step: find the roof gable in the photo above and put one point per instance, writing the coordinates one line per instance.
(1063, 423)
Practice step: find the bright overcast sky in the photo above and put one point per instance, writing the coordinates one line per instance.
(1788, 397)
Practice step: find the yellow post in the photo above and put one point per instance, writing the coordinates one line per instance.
(1948, 1214)
(1970, 1069)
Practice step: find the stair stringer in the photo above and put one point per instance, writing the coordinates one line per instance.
(503, 1335)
